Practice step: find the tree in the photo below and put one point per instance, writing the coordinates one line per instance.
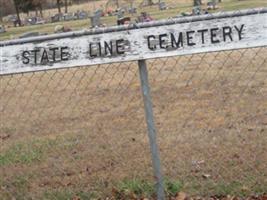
(150, 2)
(6, 8)
(66, 6)
(38, 5)
(147, 3)
(59, 6)
(32, 5)
(17, 4)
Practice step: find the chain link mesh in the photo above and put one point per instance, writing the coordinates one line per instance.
(82, 129)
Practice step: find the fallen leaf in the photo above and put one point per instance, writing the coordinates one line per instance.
(76, 198)
(4, 136)
(181, 196)
(206, 176)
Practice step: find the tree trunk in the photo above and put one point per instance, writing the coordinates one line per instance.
(66, 6)
(58, 6)
(150, 2)
(17, 12)
(41, 10)
(36, 12)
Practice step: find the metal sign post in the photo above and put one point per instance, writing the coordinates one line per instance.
(151, 129)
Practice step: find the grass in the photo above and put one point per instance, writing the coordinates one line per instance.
(67, 194)
(16, 188)
(25, 153)
(135, 187)
(28, 152)
(173, 187)
(143, 189)
(176, 8)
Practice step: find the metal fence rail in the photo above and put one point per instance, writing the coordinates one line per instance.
(81, 132)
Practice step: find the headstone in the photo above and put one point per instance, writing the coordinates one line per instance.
(196, 10)
(2, 29)
(95, 19)
(144, 17)
(57, 17)
(162, 6)
(132, 10)
(212, 5)
(120, 14)
(69, 16)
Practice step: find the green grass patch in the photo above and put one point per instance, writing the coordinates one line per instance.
(176, 8)
(135, 187)
(245, 4)
(139, 189)
(173, 187)
(17, 188)
(67, 195)
(233, 188)
(27, 152)
(242, 188)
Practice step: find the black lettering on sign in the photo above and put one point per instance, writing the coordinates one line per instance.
(54, 50)
(35, 55)
(213, 35)
(45, 56)
(162, 41)
(25, 56)
(177, 43)
(240, 30)
(108, 48)
(227, 31)
(99, 49)
(91, 50)
(103, 49)
(202, 32)
(189, 36)
(195, 37)
(64, 53)
(120, 46)
(149, 38)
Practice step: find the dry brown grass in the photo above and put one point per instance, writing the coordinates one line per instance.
(83, 129)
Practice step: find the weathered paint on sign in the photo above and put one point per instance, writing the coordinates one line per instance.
(136, 44)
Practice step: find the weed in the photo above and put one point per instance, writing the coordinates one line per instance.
(136, 187)
(67, 194)
(173, 187)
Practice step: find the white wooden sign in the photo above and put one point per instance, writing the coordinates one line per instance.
(215, 34)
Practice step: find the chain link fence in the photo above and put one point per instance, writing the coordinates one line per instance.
(81, 132)
(83, 129)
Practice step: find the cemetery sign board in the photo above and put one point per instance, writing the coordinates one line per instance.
(188, 35)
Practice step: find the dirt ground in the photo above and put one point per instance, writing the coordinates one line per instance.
(83, 130)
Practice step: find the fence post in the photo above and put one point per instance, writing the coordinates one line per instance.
(151, 129)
